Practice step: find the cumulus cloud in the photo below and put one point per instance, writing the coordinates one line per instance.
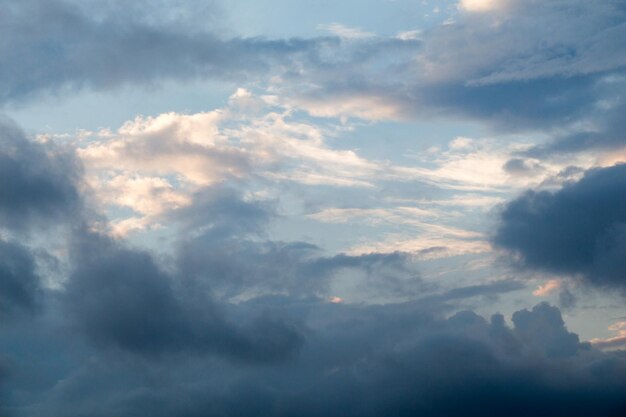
(154, 165)
(578, 230)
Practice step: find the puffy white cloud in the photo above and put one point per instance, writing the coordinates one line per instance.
(152, 165)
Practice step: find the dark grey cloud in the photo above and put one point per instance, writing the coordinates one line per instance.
(483, 290)
(121, 298)
(51, 46)
(604, 119)
(513, 105)
(38, 183)
(19, 283)
(528, 64)
(543, 328)
(132, 334)
(567, 300)
(579, 230)
(369, 361)
(554, 66)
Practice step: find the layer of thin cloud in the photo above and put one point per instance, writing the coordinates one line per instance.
(617, 342)
(425, 247)
(367, 107)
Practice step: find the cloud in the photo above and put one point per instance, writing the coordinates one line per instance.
(38, 184)
(342, 31)
(52, 46)
(579, 40)
(220, 318)
(547, 288)
(480, 5)
(367, 361)
(618, 341)
(154, 165)
(128, 300)
(511, 69)
(523, 167)
(602, 127)
(232, 323)
(516, 66)
(578, 230)
(533, 65)
(120, 298)
(544, 329)
(20, 289)
(223, 247)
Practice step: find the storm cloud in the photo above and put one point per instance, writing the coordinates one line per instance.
(579, 230)
(369, 361)
(121, 298)
(19, 282)
(38, 183)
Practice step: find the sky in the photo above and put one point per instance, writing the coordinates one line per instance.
(312, 208)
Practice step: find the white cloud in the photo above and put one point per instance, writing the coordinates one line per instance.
(615, 342)
(151, 165)
(339, 30)
(409, 35)
(430, 236)
(396, 215)
(466, 201)
(427, 246)
(477, 165)
(481, 5)
(362, 106)
(548, 288)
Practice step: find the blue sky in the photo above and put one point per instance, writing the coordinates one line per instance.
(272, 207)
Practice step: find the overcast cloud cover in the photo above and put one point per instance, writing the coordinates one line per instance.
(397, 208)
